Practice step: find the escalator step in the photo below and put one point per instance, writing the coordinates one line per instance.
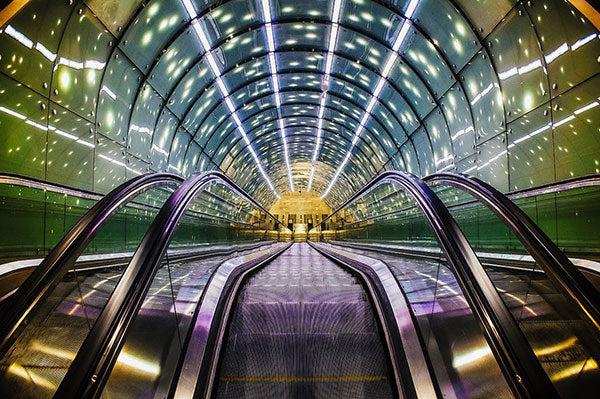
(304, 318)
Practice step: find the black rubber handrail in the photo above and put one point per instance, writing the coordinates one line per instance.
(61, 258)
(94, 360)
(519, 364)
(557, 266)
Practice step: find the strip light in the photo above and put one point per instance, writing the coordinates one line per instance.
(266, 8)
(212, 63)
(393, 57)
(46, 128)
(335, 19)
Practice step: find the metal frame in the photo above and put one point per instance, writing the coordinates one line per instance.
(557, 266)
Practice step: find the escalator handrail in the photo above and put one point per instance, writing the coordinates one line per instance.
(60, 259)
(557, 266)
(518, 362)
(92, 364)
(31, 182)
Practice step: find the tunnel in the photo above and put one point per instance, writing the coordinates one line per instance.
(299, 199)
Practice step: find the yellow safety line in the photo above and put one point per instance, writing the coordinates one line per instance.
(588, 11)
(10, 10)
(299, 378)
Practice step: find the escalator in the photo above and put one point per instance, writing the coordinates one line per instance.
(254, 318)
(565, 345)
(550, 306)
(45, 351)
(303, 327)
(52, 315)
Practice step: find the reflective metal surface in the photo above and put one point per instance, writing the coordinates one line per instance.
(193, 361)
(412, 347)
(462, 361)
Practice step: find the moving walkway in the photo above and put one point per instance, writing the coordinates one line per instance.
(256, 318)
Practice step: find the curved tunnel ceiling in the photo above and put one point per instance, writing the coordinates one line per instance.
(285, 95)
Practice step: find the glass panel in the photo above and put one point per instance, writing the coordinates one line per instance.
(82, 57)
(576, 140)
(412, 87)
(21, 222)
(492, 162)
(457, 114)
(569, 42)
(175, 61)
(485, 97)
(192, 156)
(485, 14)
(70, 149)
(150, 31)
(162, 138)
(360, 48)
(36, 363)
(29, 43)
(410, 158)
(291, 8)
(451, 31)
(199, 112)
(110, 168)
(189, 88)
(399, 110)
(230, 17)
(576, 214)
(114, 14)
(136, 167)
(178, 148)
(437, 130)
(420, 140)
(119, 88)
(143, 119)
(530, 150)
(23, 129)
(519, 64)
(425, 59)
(217, 224)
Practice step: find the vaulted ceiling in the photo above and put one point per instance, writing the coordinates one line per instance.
(295, 95)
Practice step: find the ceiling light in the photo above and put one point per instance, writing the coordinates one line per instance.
(406, 24)
(201, 34)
